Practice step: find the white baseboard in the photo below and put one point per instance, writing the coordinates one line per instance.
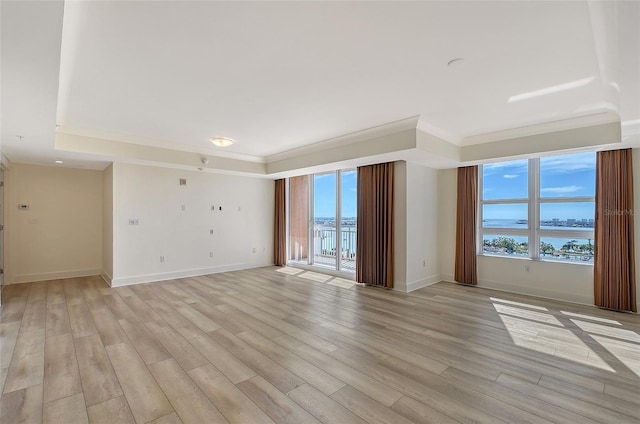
(530, 291)
(151, 278)
(418, 284)
(106, 277)
(32, 278)
(425, 282)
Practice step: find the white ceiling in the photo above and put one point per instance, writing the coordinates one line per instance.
(276, 76)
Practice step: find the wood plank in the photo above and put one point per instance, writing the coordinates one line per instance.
(99, 381)
(178, 347)
(313, 375)
(22, 406)
(234, 369)
(57, 319)
(418, 412)
(187, 399)
(114, 411)
(323, 407)
(108, 328)
(274, 403)
(81, 322)
(376, 390)
(148, 347)
(8, 337)
(67, 410)
(61, 375)
(234, 405)
(366, 408)
(145, 398)
(281, 378)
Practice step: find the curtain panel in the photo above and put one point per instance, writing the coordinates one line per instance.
(280, 225)
(466, 218)
(614, 268)
(374, 243)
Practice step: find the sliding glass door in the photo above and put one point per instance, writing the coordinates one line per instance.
(322, 220)
(325, 246)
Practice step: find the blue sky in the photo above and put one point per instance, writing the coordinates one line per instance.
(560, 176)
(325, 194)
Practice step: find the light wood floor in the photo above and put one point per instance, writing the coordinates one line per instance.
(261, 346)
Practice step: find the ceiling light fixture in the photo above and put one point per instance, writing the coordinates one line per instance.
(222, 141)
(553, 89)
(58, 161)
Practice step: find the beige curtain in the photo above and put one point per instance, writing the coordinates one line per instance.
(279, 227)
(465, 265)
(614, 270)
(374, 244)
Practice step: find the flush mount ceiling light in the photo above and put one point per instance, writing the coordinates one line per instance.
(222, 141)
(58, 161)
(553, 89)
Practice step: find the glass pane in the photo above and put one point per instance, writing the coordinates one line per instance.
(348, 220)
(505, 180)
(567, 216)
(568, 175)
(324, 213)
(508, 215)
(299, 218)
(505, 245)
(566, 249)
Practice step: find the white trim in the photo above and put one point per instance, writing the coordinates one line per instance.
(164, 276)
(106, 277)
(45, 276)
(425, 282)
(529, 291)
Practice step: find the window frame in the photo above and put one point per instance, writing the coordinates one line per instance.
(533, 230)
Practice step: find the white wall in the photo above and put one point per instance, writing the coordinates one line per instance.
(154, 197)
(422, 226)
(415, 226)
(400, 225)
(107, 223)
(60, 235)
(563, 281)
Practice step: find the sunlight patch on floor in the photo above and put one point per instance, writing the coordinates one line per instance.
(590, 317)
(525, 313)
(321, 278)
(342, 283)
(289, 271)
(511, 302)
(541, 333)
(627, 353)
(618, 333)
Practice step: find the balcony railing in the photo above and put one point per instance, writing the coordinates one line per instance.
(325, 246)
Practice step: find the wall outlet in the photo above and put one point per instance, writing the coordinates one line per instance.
(163, 259)
(239, 208)
(134, 222)
(213, 208)
(211, 254)
(211, 231)
(184, 208)
(254, 250)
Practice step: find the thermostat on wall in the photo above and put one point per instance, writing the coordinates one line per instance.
(23, 207)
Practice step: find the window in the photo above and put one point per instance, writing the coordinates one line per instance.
(539, 208)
